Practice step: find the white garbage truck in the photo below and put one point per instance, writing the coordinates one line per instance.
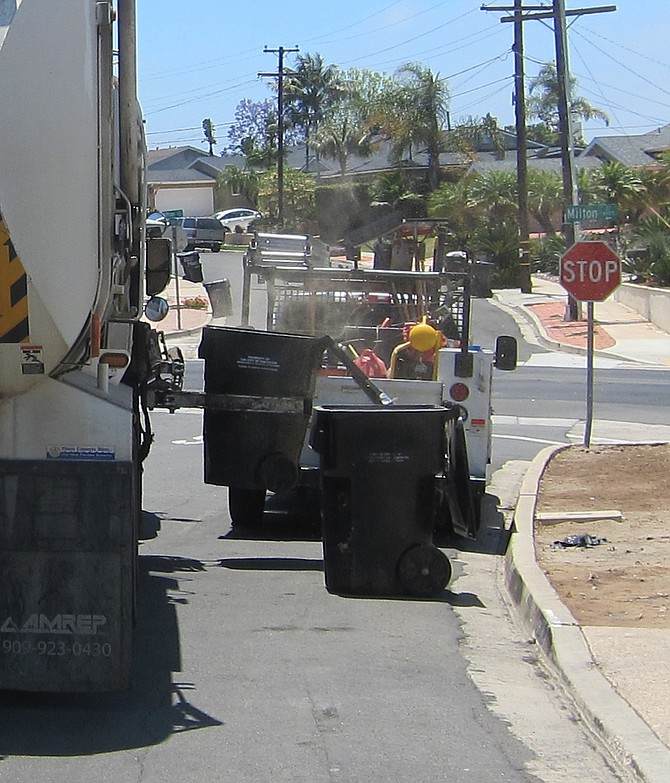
(75, 272)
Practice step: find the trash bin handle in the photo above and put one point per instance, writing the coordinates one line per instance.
(377, 395)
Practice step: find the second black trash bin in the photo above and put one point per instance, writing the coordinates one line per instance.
(220, 297)
(378, 468)
(257, 449)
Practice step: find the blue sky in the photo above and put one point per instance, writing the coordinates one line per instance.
(199, 58)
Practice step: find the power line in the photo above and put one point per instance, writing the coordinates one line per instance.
(198, 98)
(404, 20)
(627, 67)
(185, 130)
(416, 38)
(628, 49)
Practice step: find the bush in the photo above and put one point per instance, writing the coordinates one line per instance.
(196, 303)
(498, 243)
(655, 236)
(546, 254)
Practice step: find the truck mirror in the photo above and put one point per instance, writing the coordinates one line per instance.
(156, 308)
(159, 263)
(506, 352)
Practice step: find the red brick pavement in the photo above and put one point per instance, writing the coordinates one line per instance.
(551, 314)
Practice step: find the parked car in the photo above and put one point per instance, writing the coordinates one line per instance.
(197, 233)
(237, 219)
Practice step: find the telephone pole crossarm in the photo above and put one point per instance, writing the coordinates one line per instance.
(550, 14)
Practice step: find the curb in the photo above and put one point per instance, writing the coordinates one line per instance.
(630, 740)
(522, 314)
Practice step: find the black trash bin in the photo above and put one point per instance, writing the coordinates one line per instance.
(378, 468)
(220, 297)
(190, 263)
(257, 449)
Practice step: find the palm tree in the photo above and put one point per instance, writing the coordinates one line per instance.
(476, 133)
(309, 92)
(545, 197)
(451, 202)
(655, 196)
(422, 101)
(620, 185)
(543, 101)
(341, 135)
(495, 193)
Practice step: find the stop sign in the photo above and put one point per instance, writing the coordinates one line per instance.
(590, 271)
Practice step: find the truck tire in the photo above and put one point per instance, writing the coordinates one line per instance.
(246, 506)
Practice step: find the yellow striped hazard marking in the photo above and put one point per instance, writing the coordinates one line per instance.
(13, 292)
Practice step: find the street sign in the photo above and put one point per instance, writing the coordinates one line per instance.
(173, 213)
(591, 213)
(590, 271)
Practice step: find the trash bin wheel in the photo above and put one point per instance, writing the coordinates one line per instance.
(246, 506)
(424, 570)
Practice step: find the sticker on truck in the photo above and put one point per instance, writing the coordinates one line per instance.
(81, 452)
(32, 360)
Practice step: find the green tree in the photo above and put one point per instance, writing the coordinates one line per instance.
(545, 198)
(399, 191)
(246, 182)
(654, 232)
(299, 209)
(310, 90)
(494, 192)
(619, 184)
(451, 202)
(412, 115)
(656, 189)
(543, 102)
(498, 243)
(343, 134)
(210, 134)
(475, 134)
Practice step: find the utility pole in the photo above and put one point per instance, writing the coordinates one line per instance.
(525, 283)
(280, 52)
(571, 231)
(570, 194)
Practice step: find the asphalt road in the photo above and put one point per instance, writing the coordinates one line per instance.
(247, 669)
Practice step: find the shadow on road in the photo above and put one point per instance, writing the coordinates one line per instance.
(35, 724)
(272, 564)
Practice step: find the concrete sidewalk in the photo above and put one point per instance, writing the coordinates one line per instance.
(619, 677)
(620, 332)
(182, 318)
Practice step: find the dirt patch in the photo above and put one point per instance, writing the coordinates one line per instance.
(625, 579)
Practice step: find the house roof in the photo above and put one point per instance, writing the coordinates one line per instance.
(489, 162)
(183, 164)
(190, 164)
(640, 150)
(181, 176)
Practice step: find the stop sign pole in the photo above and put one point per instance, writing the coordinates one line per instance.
(590, 271)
